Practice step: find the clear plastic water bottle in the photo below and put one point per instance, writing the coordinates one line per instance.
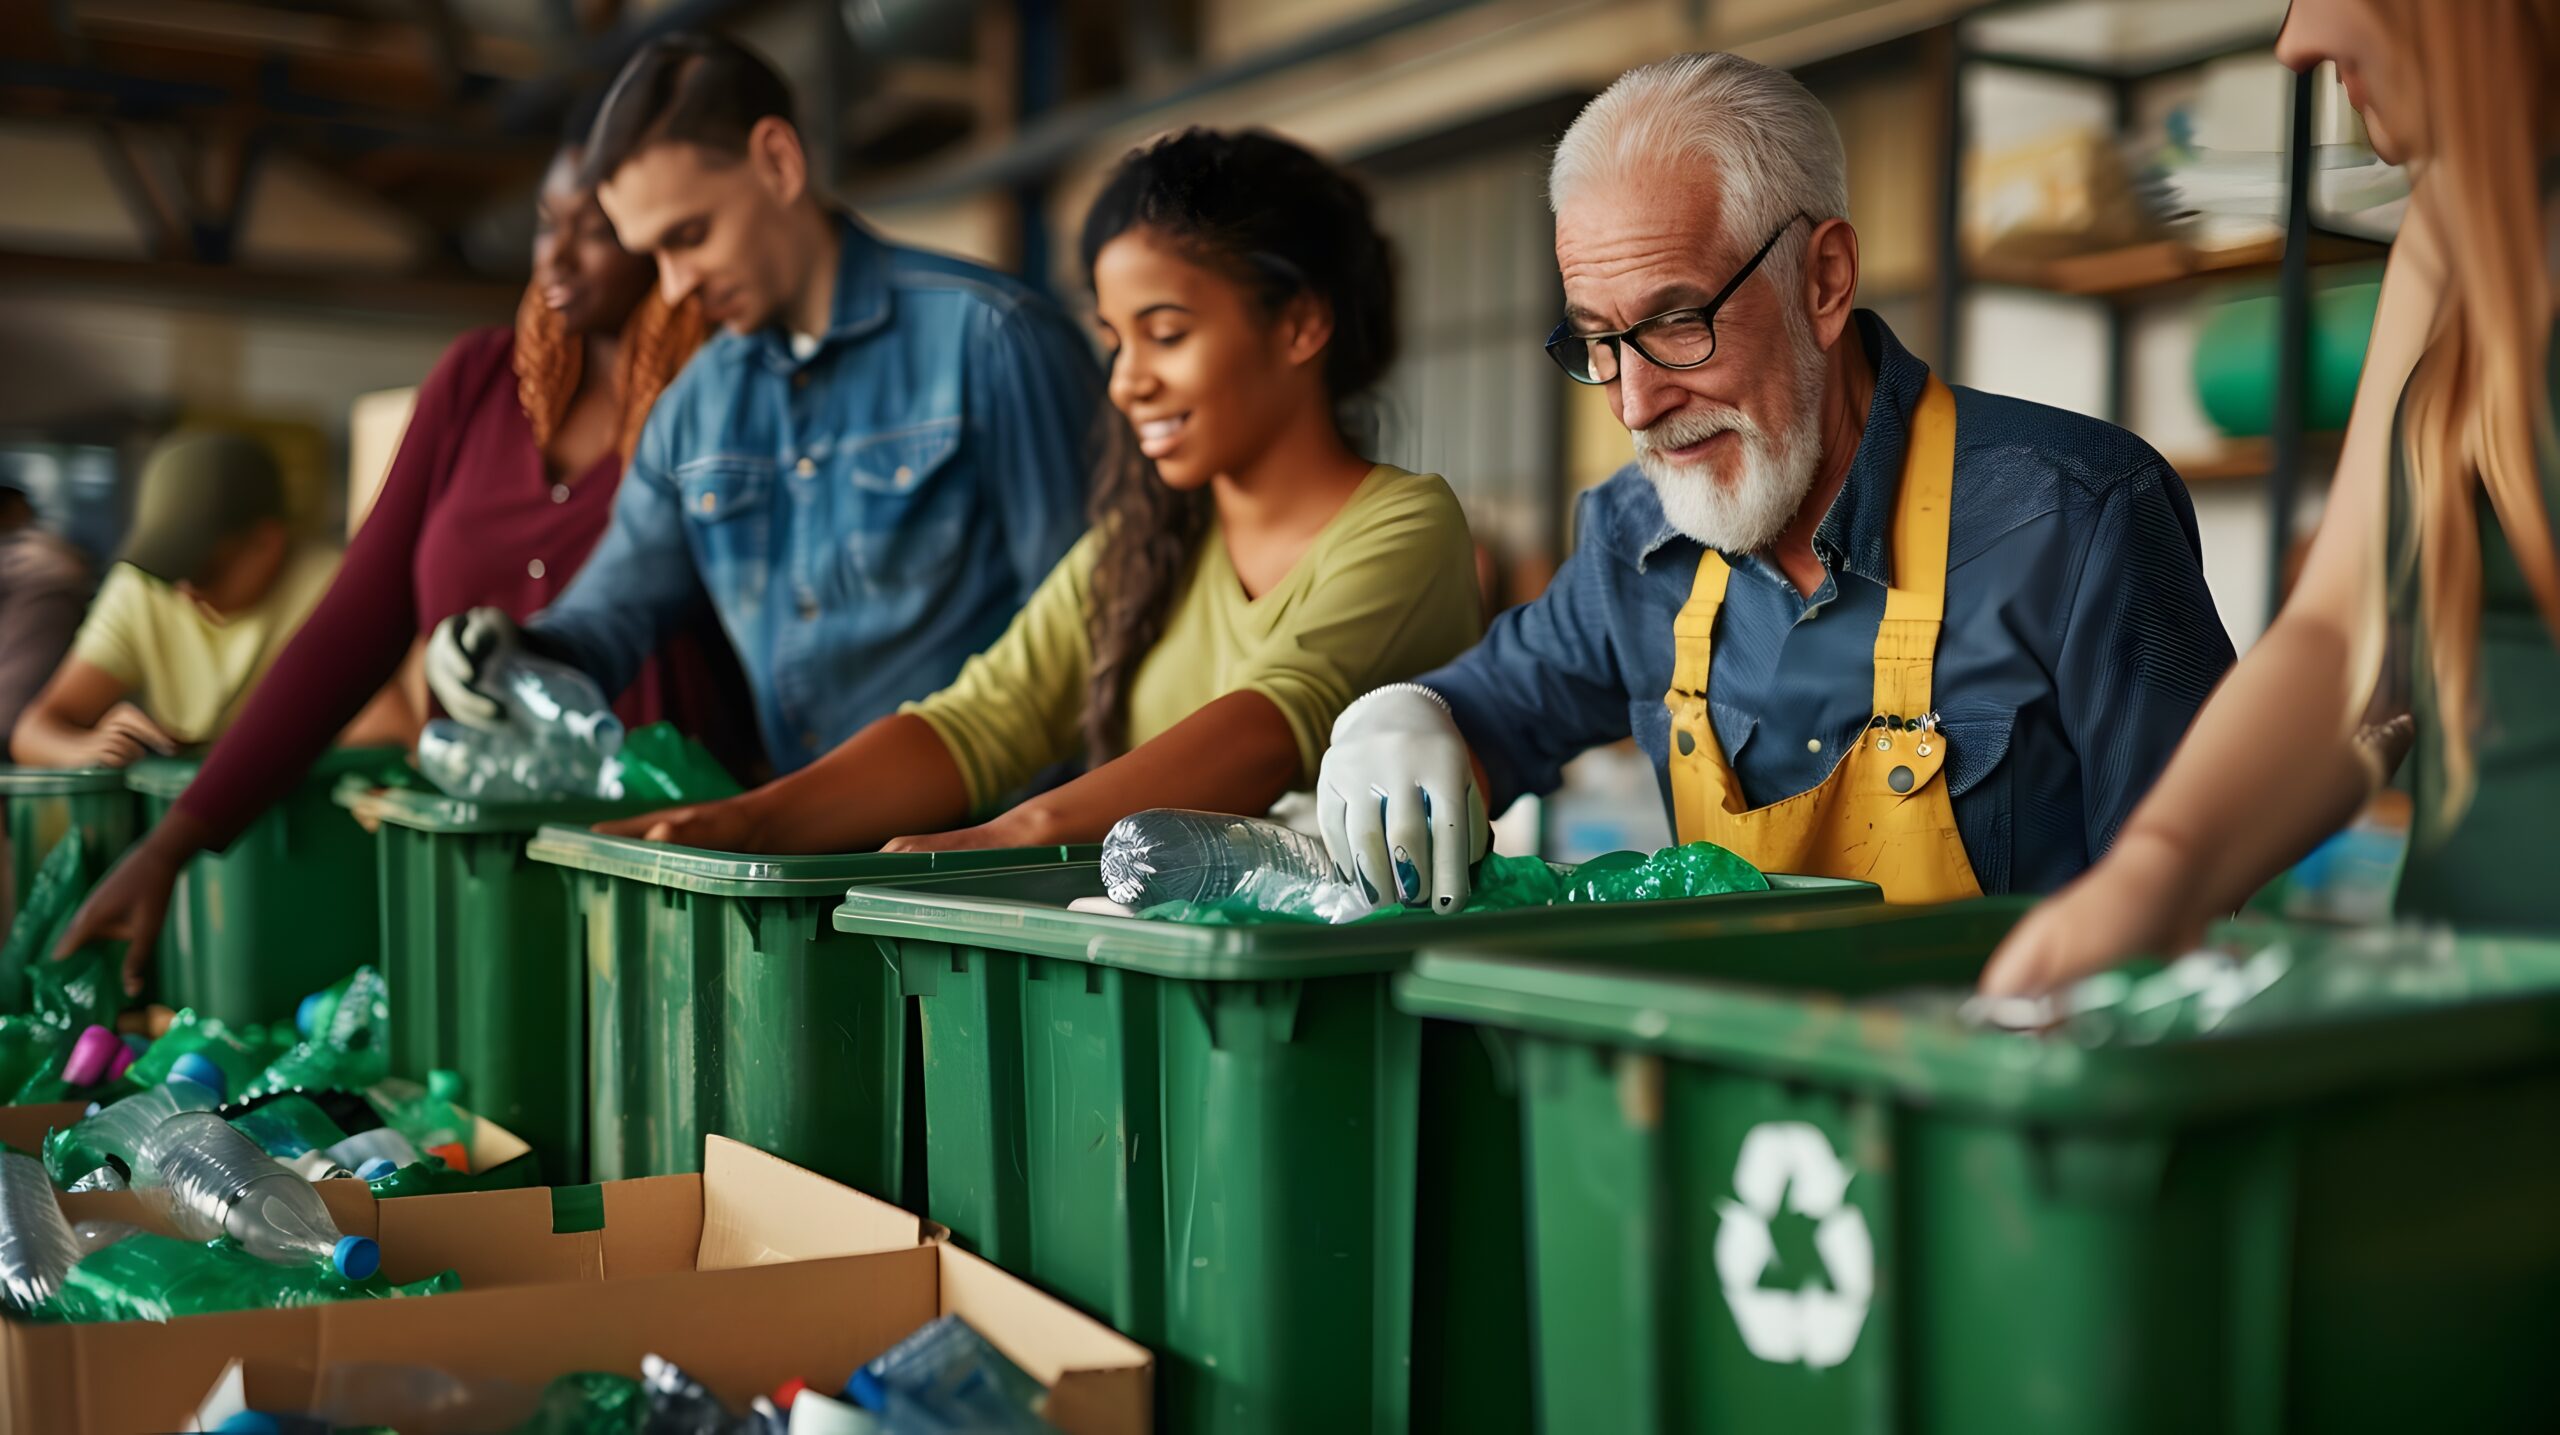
(946, 1377)
(122, 1130)
(681, 1405)
(1173, 855)
(220, 1184)
(37, 1248)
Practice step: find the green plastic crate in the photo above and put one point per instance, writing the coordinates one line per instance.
(2338, 1220)
(38, 805)
(291, 907)
(719, 1000)
(476, 948)
(1227, 1142)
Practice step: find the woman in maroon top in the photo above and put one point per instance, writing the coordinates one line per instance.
(502, 485)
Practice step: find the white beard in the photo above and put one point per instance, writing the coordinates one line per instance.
(1747, 514)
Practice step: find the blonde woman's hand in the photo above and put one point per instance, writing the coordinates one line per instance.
(2135, 902)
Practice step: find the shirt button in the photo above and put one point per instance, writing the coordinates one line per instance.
(534, 569)
(559, 493)
(903, 474)
(710, 503)
(1813, 744)
(807, 467)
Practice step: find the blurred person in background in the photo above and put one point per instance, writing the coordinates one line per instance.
(2428, 609)
(44, 589)
(209, 587)
(1864, 625)
(1247, 571)
(864, 476)
(502, 486)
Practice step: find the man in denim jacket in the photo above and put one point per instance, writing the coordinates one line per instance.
(864, 475)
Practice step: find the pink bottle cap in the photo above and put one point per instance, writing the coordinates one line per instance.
(90, 1054)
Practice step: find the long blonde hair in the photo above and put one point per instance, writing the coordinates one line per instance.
(2476, 410)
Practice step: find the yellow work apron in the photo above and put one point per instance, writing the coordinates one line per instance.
(1883, 815)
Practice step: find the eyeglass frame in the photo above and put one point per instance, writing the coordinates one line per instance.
(1563, 334)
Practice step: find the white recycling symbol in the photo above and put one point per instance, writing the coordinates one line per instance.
(1792, 1162)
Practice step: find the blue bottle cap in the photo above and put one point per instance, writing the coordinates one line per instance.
(356, 1258)
(94, 1109)
(195, 1066)
(377, 1168)
(307, 1015)
(249, 1422)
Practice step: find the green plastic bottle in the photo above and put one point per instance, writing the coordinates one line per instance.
(351, 1052)
(161, 1278)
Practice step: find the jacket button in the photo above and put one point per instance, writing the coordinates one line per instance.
(1813, 744)
(807, 466)
(1899, 779)
(559, 493)
(710, 503)
(903, 476)
(534, 569)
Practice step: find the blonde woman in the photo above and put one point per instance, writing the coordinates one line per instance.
(2430, 604)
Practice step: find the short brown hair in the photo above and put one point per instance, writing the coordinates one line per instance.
(683, 88)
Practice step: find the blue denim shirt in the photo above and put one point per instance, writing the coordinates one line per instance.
(2079, 637)
(861, 521)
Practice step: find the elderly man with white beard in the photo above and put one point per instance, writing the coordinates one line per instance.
(1864, 624)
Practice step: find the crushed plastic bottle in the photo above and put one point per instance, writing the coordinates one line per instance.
(560, 739)
(288, 1126)
(219, 1183)
(380, 1144)
(430, 1117)
(1696, 869)
(238, 1053)
(154, 1277)
(1207, 859)
(118, 1134)
(589, 1403)
(947, 1377)
(659, 764)
(351, 1053)
(61, 881)
(680, 1405)
(37, 1248)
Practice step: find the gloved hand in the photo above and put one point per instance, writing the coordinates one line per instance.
(1398, 802)
(466, 650)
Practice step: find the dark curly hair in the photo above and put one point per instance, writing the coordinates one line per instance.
(1282, 223)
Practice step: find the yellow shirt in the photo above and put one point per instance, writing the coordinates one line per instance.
(192, 673)
(1386, 591)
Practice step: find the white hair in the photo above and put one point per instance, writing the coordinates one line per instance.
(1775, 148)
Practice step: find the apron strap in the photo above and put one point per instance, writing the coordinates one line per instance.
(1907, 639)
(1693, 632)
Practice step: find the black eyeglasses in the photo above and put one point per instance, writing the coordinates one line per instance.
(1672, 339)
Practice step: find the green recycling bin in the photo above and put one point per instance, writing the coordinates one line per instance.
(475, 946)
(290, 908)
(719, 1000)
(39, 804)
(1786, 1185)
(1228, 1143)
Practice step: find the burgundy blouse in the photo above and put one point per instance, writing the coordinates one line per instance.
(466, 518)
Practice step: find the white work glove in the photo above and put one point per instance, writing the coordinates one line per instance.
(465, 650)
(1398, 802)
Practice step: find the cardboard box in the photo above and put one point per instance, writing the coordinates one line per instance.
(25, 1127)
(749, 1274)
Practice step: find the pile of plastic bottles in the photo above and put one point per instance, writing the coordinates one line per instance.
(224, 1130)
(1214, 870)
(560, 739)
(944, 1379)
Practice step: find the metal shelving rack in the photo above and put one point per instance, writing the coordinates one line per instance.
(2129, 276)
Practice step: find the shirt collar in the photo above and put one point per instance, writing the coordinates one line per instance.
(861, 302)
(1857, 530)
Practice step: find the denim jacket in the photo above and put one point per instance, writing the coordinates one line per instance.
(861, 520)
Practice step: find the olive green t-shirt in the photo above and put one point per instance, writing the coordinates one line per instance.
(1386, 591)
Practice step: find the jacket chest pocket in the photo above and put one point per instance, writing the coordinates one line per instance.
(728, 510)
(908, 511)
(1978, 761)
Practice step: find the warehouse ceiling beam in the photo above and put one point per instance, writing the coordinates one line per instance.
(1045, 145)
(532, 103)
